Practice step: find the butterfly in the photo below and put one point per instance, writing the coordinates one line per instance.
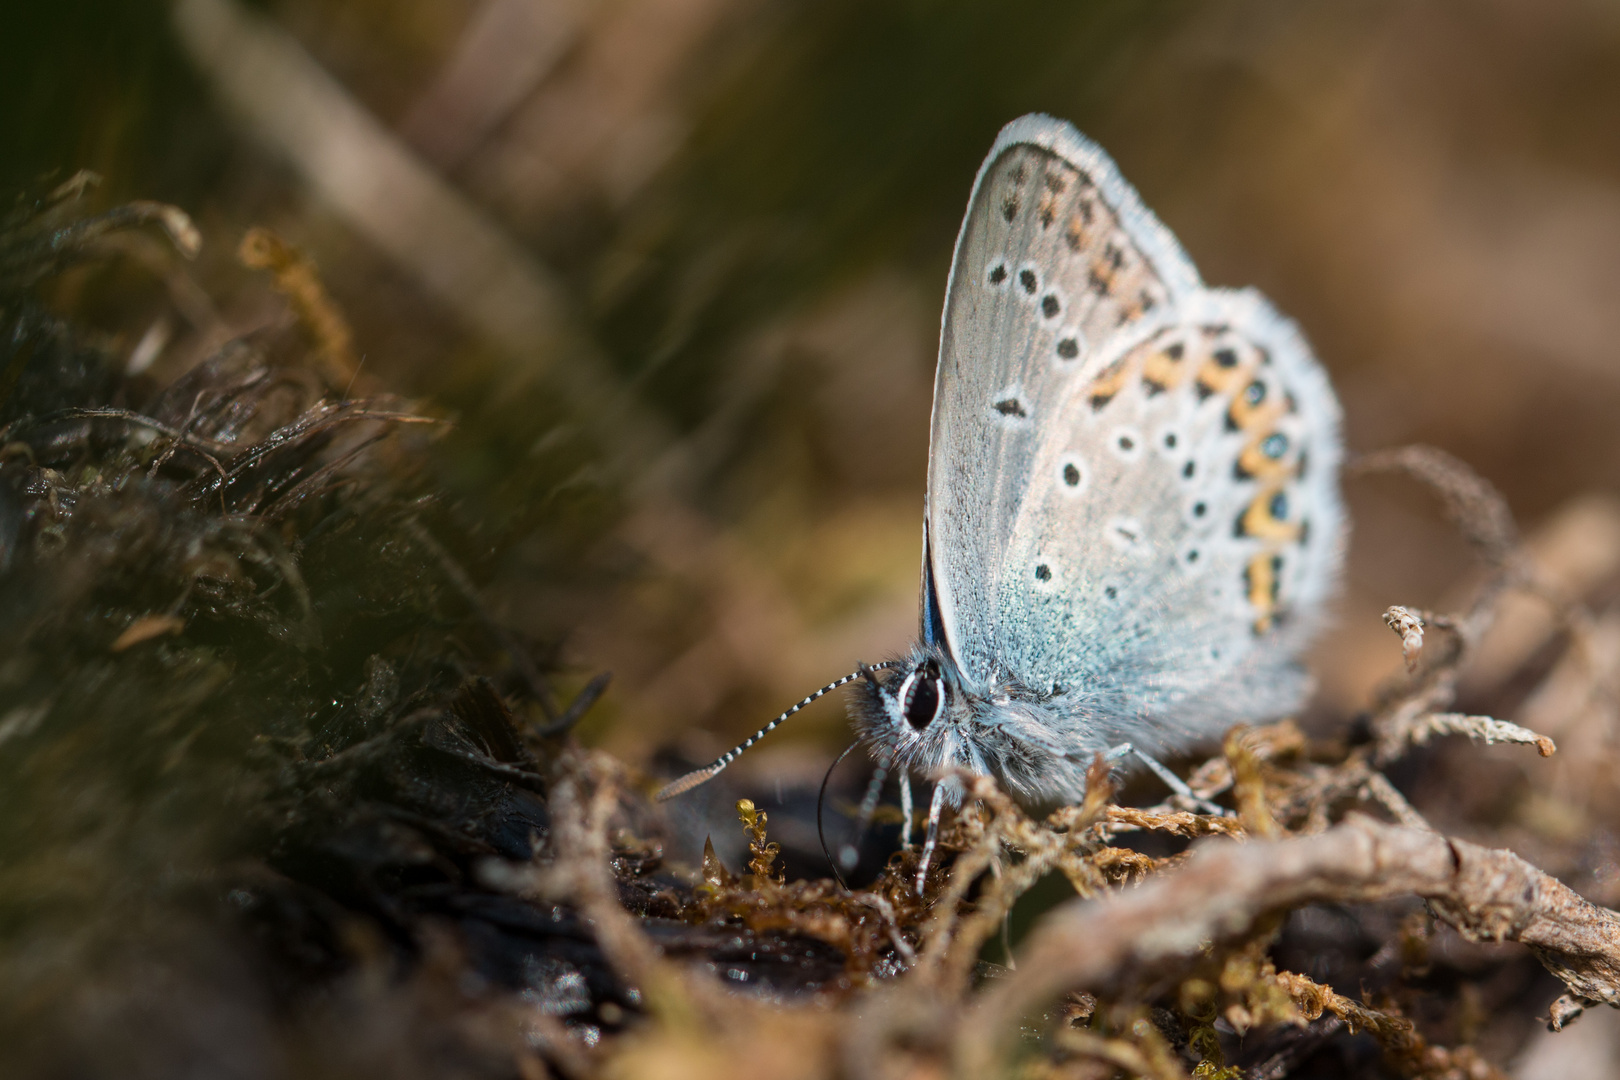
(1132, 528)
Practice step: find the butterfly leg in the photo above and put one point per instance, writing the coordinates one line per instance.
(850, 853)
(907, 810)
(1171, 780)
(936, 806)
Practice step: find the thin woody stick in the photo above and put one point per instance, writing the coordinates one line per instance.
(1488, 895)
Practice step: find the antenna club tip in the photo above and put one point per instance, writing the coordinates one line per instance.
(685, 783)
(698, 776)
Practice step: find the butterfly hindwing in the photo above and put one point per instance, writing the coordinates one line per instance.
(1181, 529)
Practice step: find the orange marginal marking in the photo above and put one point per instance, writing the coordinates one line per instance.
(1076, 232)
(1165, 368)
(1101, 278)
(1261, 577)
(1048, 207)
(1109, 382)
(1254, 462)
(1224, 370)
(1247, 417)
(1258, 522)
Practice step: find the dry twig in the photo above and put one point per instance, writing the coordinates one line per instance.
(1480, 728)
(1112, 945)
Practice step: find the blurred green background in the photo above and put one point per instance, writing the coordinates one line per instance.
(694, 434)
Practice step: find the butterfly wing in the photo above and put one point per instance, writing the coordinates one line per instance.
(1132, 502)
(1182, 529)
(1056, 258)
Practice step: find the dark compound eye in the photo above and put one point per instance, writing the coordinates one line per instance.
(922, 698)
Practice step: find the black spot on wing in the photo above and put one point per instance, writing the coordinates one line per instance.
(1011, 407)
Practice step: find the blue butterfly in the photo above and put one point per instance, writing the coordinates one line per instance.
(1132, 528)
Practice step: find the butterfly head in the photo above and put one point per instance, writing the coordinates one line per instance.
(909, 706)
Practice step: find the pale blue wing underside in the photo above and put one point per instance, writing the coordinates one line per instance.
(1168, 592)
(1064, 283)
(979, 457)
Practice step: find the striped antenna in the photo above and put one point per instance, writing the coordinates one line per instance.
(709, 772)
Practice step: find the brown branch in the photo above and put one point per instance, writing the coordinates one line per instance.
(1472, 503)
(1184, 823)
(1402, 1043)
(1481, 515)
(952, 939)
(1483, 729)
(1408, 624)
(1224, 888)
(1135, 1059)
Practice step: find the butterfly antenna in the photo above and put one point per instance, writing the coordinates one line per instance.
(821, 798)
(709, 772)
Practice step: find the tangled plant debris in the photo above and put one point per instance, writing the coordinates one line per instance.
(281, 797)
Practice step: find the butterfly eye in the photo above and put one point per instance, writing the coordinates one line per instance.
(922, 698)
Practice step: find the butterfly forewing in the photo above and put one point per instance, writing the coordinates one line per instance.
(1056, 261)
